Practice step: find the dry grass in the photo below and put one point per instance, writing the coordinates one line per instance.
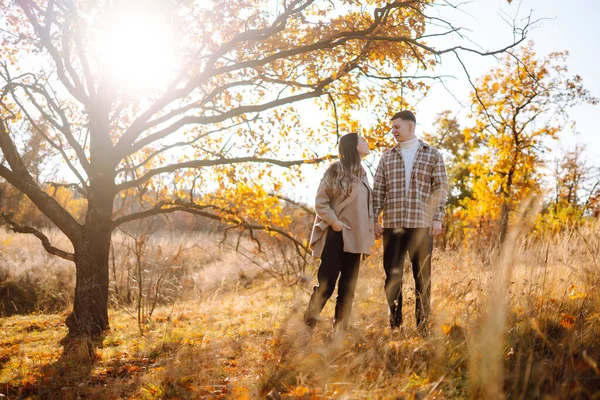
(30, 278)
(184, 265)
(242, 338)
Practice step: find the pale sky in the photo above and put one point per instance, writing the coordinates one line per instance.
(572, 26)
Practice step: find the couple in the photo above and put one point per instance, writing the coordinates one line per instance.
(411, 188)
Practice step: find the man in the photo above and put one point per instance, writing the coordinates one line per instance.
(411, 188)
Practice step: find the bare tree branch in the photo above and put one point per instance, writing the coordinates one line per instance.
(211, 163)
(213, 119)
(231, 218)
(18, 228)
(492, 120)
(19, 177)
(62, 128)
(179, 144)
(297, 204)
(74, 85)
(70, 186)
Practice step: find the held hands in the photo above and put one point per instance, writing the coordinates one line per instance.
(436, 228)
(378, 231)
(339, 225)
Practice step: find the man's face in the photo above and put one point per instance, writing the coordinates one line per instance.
(403, 130)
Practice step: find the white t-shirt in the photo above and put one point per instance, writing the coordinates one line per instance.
(409, 150)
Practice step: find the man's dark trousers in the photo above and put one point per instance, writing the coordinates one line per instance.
(419, 245)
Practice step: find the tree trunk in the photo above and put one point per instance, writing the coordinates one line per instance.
(506, 203)
(90, 305)
(504, 214)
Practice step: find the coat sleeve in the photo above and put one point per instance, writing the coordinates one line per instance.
(323, 199)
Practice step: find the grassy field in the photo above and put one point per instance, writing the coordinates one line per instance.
(522, 324)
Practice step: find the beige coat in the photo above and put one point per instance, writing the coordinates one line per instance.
(355, 210)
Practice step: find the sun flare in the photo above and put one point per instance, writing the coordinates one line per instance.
(138, 51)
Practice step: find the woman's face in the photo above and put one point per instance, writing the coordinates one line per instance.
(362, 147)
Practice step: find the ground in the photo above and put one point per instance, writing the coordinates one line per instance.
(533, 335)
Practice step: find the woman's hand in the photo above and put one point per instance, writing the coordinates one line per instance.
(339, 225)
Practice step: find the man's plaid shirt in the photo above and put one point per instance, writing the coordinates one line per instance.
(427, 192)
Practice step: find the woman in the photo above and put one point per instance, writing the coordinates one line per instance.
(343, 230)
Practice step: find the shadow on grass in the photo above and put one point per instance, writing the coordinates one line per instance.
(62, 378)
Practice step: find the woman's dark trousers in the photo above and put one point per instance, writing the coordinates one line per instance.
(419, 245)
(335, 262)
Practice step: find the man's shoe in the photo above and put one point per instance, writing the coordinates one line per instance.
(395, 323)
(395, 317)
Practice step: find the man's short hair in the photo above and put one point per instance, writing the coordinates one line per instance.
(405, 115)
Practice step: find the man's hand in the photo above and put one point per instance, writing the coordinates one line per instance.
(436, 228)
(339, 225)
(378, 230)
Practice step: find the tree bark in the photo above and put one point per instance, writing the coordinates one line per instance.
(504, 214)
(90, 305)
(506, 204)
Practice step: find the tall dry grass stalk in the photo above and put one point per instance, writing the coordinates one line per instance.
(525, 326)
(487, 359)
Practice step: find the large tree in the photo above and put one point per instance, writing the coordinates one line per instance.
(517, 108)
(217, 121)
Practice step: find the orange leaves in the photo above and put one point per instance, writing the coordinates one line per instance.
(567, 320)
(241, 393)
(518, 106)
(574, 293)
(251, 204)
(446, 328)
(303, 392)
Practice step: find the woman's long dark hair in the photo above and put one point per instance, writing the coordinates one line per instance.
(344, 173)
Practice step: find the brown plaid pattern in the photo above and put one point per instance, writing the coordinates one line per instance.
(427, 194)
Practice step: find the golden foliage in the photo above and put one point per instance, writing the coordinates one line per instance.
(516, 109)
